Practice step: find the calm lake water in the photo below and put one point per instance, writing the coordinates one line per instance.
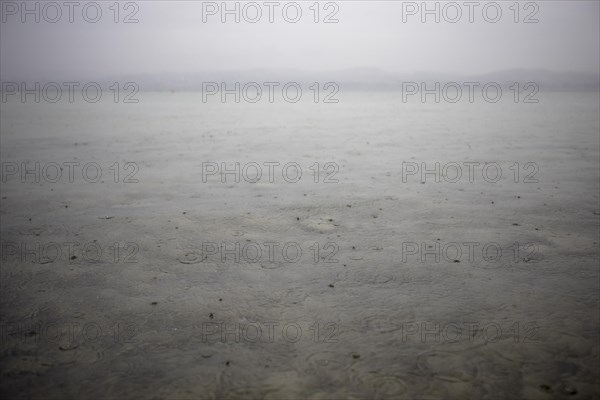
(327, 265)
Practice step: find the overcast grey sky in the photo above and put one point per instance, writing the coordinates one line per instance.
(171, 37)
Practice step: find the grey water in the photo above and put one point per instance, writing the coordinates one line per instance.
(341, 270)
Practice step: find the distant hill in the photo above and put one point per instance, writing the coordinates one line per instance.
(353, 79)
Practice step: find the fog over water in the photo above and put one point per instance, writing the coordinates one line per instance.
(361, 204)
(173, 39)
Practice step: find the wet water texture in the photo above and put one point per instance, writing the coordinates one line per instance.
(181, 286)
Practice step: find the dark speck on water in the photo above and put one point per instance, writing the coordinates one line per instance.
(154, 303)
(61, 348)
(569, 390)
(545, 388)
(331, 285)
